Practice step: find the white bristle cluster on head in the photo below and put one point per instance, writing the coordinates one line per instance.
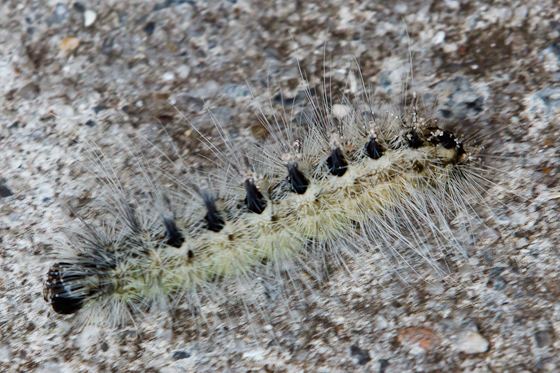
(348, 182)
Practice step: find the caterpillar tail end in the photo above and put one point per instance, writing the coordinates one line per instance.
(62, 289)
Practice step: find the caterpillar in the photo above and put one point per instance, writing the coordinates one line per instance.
(353, 179)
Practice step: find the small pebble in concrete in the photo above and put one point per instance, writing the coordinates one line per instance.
(178, 355)
(362, 356)
(149, 28)
(472, 343)
(89, 17)
(5, 191)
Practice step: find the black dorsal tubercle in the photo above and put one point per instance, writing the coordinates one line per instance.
(414, 140)
(214, 220)
(173, 235)
(336, 163)
(374, 150)
(296, 178)
(254, 199)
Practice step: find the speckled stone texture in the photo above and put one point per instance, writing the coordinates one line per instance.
(107, 71)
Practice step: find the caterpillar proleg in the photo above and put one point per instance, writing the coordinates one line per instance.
(351, 180)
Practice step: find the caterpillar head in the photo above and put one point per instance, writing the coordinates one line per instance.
(447, 144)
(447, 140)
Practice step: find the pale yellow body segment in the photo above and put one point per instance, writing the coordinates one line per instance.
(328, 209)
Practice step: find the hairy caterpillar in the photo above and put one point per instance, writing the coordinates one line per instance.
(351, 181)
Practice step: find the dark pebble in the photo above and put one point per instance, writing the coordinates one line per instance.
(289, 101)
(168, 3)
(543, 338)
(5, 191)
(362, 356)
(383, 365)
(476, 106)
(99, 108)
(178, 355)
(496, 271)
(79, 7)
(445, 113)
(107, 46)
(150, 28)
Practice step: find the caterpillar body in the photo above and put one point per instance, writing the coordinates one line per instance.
(349, 182)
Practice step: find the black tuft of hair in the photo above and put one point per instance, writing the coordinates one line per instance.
(214, 220)
(173, 235)
(254, 199)
(296, 178)
(336, 163)
(373, 149)
(64, 289)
